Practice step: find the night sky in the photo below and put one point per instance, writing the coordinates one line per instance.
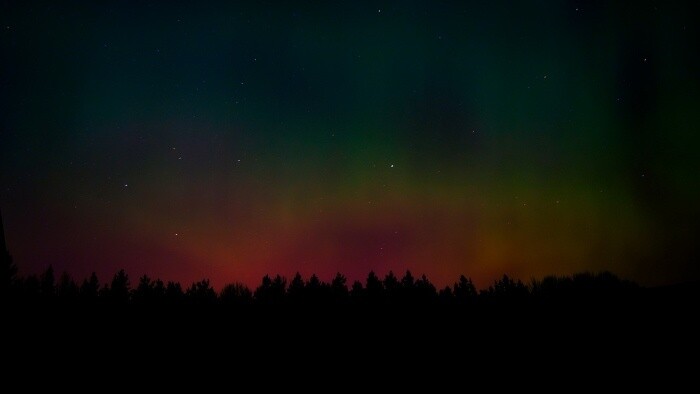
(186, 141)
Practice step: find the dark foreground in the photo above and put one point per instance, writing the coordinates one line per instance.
(584, 323)
(357, 346)
(664, 316)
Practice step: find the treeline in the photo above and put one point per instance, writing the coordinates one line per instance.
(277, 290)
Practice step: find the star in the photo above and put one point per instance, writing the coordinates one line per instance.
(392, 166)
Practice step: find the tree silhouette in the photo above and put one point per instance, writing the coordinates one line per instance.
(173, 293)
(339, 288)
(315, 290)
(580, 289)
(148, 292)
(278, 289)
(236, 294)
(465, 291)
(201, 293)
(407, 282)
(48, 283)
(90, 288)
(357, 293)
(425, 291)
(271, 292)
(374, 288)
(446, 296)
(407, 290)
(119, 291)
(391, 286)
(67, 289)
(143, 291)
(295, 292)
(506, 290)
(158, 290)
(263, 292)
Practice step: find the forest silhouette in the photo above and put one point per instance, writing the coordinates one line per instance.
(602, 290)
(391, 290)
(404, 315)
